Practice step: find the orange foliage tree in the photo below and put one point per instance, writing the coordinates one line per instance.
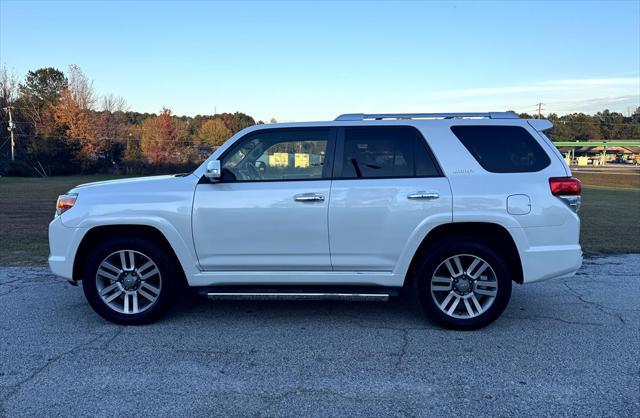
(78, 125)
(163, 139)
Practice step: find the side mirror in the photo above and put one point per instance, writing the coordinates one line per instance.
(213, 171)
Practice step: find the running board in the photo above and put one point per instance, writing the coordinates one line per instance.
(299, 293)
(374, 297)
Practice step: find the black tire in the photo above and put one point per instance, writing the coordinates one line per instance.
(165, 264)
(443, 250)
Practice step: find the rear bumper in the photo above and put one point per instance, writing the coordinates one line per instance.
(63, 244)
(542, 263)
(549, 252)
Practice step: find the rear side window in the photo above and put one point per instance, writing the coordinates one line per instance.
(503, 149)
(385, 152)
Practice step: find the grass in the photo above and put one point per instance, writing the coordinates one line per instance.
(629, 181)
(610, 221)
(27, 205)
(610, 217)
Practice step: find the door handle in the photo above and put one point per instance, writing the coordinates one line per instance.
(309, 197)
(423, 195)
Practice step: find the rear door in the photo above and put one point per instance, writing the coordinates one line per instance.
(387, 184)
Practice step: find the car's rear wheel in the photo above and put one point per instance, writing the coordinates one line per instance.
(129, 280)
(463, 283)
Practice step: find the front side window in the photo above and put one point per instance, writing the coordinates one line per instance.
(277, 155)
(385, 152)
(503, 149)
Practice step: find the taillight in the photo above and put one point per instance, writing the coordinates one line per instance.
(65, 202)
(568, 189)
(565, 186)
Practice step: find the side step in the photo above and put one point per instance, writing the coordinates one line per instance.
(341, 293)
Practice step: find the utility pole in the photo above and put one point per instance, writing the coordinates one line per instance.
(540, 110)
(8, 109)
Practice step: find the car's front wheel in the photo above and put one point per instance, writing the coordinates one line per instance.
(129, 281)
(463, 284)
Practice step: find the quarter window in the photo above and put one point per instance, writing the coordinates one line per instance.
(278, 155)
(385, 152)
(503, 149)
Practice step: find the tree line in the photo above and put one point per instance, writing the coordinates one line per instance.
(604, 125)
(63, 126)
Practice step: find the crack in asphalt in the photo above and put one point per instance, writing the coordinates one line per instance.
(565, 321)
(15, 388)
(9, 282)
(119, 331)
(12, 289)
(598, 306)
(27, 285)
(403, 350)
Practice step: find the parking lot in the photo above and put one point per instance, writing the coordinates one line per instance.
(564, 347)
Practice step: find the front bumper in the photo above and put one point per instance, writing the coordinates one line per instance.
(63, 245)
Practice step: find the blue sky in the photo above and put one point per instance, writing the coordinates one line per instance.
(314, 60)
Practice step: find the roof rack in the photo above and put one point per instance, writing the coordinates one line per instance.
(381, 116)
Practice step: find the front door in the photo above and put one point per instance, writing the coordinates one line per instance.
(269, 212)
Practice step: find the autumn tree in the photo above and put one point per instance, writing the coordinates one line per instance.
(163, 139)
(78, 125)
(96, 133)
(213, 132)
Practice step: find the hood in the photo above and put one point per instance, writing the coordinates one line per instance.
(134, 181)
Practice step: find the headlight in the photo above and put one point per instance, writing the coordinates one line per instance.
(65, 202)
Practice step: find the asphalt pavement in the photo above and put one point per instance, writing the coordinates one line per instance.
(563, 347)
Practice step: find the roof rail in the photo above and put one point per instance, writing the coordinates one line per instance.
(381, 116)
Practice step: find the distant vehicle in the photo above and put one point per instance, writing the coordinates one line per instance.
(454, 206)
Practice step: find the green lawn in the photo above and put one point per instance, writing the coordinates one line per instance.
(610, 221)
(610, 218)
(616, 180)
(27, 205)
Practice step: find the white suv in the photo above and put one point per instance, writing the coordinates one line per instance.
(455, 206)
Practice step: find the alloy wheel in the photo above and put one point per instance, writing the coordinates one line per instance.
(128, 282)
(464, 286)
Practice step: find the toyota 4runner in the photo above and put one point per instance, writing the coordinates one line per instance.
(454, 206)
